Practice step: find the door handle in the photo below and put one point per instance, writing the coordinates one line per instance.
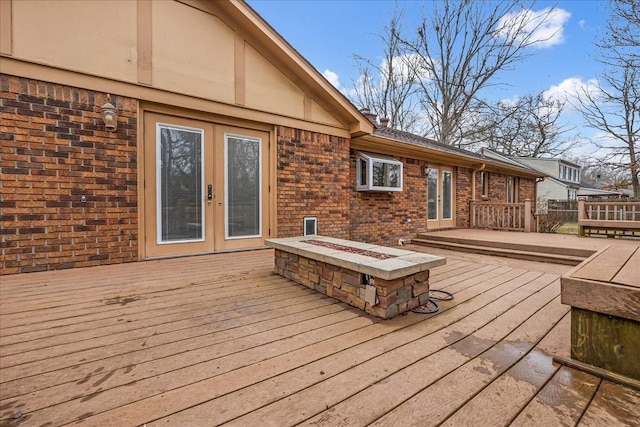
(209, 192)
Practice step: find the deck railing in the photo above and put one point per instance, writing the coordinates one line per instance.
(502, 216)
(611, 215)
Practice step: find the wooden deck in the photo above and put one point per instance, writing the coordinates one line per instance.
(218, 339)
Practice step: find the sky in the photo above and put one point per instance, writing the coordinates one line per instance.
(328, 33)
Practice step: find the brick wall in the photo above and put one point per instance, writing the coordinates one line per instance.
(381, 217)
(498, 188)
(313, 179)
(54, 151)
(527, 190)
(464, 194)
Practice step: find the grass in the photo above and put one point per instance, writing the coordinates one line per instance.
(571, 228)
(568, 228)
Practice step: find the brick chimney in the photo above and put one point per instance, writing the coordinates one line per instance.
(369, 115)
(384, 122)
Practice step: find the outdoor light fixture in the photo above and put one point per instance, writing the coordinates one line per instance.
(110, 116)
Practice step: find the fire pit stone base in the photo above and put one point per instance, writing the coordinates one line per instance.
(337, 278)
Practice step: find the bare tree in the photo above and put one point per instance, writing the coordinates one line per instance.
(624, 25)
(388, 89)
(613, 108)
(601, 175)
(528, 126)
(461, 47)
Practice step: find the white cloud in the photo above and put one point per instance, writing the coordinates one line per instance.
(571, 88)
(545, 27)
(333, 78)
(409, 67)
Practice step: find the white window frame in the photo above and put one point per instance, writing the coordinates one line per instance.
(368, 159)
(307, 220)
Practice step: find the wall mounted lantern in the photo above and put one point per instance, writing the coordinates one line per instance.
(110, 116)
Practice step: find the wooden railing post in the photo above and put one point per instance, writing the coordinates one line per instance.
(529, 219)
(581, 215)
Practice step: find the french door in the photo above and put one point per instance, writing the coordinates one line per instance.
(440, 198)
(205, 186)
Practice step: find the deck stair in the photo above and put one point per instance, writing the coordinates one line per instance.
(530, 252)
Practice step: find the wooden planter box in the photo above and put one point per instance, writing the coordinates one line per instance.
(604, 295)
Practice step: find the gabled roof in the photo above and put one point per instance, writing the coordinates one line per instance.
(281, 51)
(401, 143)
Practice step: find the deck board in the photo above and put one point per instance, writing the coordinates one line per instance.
(401, 349)
(562, 401)
(503, 399)
(629, 274)
(613, 405)
(220, 339)
(606, 265)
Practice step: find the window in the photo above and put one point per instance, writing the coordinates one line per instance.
(378, 173)
(512, 189)
(569, 173)
(571, 194)
(243, 187)
(484, 183)
(180, 163)
(432, 194)
(447, 190)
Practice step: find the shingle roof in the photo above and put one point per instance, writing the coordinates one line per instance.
(566, 183)
(413, 139)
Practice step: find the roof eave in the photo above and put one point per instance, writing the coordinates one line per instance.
(384, 145)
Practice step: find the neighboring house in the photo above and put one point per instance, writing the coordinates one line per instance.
(591, 191)
(562, 180)
(225, 136)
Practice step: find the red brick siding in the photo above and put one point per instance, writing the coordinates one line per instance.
(313, 179)
(527, 190)
(463, 177)
(498, 188)
(54, 151)
(382, 218)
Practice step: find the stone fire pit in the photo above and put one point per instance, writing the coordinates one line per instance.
(380, 280)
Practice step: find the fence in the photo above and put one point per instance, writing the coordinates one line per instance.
(565, 209)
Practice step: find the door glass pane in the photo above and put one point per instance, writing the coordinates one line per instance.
(511, 189)
(243, 184)
(446, 195)
(180, 204)
(432, 194)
